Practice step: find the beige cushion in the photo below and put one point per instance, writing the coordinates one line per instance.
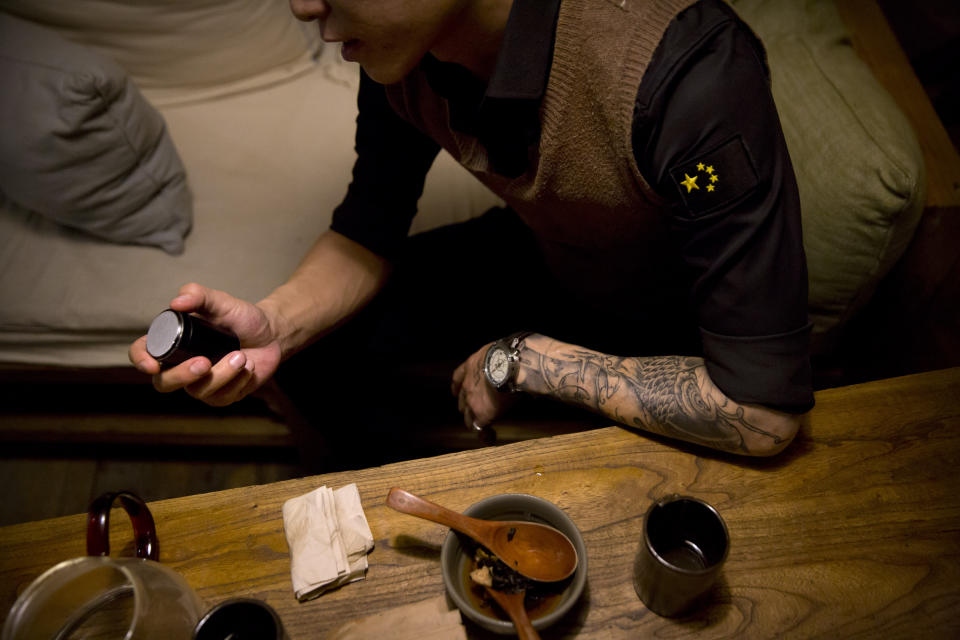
(859, 167)
(80, 146)
(185, 50)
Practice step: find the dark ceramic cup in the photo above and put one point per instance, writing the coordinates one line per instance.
(240, 619)
(684, 545)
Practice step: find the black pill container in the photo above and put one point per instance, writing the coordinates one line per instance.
(175, 336)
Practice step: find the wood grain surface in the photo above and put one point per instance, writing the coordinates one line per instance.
(852, 532)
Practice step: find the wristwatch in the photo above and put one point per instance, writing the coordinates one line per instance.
(500, 364)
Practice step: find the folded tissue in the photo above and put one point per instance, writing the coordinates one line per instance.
(329, 539)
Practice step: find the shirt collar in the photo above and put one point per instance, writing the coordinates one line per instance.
(523, 64)
(504, 114)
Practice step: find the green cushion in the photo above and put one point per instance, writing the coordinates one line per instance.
(859, 166)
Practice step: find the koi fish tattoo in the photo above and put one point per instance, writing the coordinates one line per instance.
(663, 394)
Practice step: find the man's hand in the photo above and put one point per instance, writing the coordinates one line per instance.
(238, 373)
(479, 402)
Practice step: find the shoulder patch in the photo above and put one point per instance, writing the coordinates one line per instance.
(716, 178)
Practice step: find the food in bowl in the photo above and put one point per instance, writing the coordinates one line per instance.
(458, 560)
(486, 570)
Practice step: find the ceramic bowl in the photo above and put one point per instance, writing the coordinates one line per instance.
(455, 558)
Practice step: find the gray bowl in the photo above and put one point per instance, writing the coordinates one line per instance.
(512, 506)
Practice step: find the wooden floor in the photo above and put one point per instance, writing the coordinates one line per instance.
(44, 483)
(63, 444)
(88, 439)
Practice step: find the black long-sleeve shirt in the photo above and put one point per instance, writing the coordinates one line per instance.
(706, 136)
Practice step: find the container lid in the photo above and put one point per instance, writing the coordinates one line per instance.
(164, 333)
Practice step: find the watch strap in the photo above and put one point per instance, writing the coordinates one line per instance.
(515, 339)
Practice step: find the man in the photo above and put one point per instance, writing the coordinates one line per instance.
(653, 214)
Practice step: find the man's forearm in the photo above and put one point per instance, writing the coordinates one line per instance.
(669, 395)
(337, 278)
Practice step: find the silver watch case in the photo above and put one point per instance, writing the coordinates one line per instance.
(501, 362)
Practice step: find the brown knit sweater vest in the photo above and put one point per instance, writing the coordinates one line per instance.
(594, 215)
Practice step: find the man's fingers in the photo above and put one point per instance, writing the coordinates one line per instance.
(475, 398)
(209, 302)
(236, 389)
(191, 297)
(458, 375)
(182, 375)
(141, 359)
(468, 418)
(218, 385)
(220, 375)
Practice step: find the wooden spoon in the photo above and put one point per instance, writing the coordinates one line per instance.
(512, 603)
(531, 549)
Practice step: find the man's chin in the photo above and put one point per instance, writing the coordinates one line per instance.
(386, 73)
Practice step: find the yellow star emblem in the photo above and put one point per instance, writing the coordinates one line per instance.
(712, 180)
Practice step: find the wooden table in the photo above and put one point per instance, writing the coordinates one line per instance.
(853, 531)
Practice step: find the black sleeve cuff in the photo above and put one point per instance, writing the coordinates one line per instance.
(373, 227)
(773, 371)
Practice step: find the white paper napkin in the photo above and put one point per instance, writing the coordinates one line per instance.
(329, 539)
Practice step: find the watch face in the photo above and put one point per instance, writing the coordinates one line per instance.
(498, 366)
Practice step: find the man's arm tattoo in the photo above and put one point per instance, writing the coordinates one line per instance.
(664, 394)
